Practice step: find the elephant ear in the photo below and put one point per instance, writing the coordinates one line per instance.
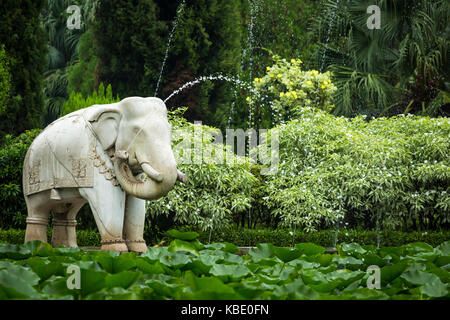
(105, 122)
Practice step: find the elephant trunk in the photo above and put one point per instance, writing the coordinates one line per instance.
(156, 186)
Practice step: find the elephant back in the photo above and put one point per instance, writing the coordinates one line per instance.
(60, 157)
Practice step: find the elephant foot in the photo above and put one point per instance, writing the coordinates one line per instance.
(114, 245)
(136, 246)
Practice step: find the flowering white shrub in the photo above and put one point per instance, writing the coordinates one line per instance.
(393, 172)
(215, 191)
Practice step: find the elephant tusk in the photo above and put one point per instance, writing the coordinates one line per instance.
(181, 176)
(152, 173)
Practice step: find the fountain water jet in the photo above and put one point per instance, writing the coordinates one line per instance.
(169, 42)
(246, 51)
(211, 78)
(327, 40)
(333, 17)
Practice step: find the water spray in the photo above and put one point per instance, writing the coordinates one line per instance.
(169, 42)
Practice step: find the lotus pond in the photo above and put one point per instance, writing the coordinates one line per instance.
(188, 269)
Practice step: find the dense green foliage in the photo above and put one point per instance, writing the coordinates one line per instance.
(326, 238)
(402, 67)
(77, 101)
(389, 171)
(24, 41)
(81, 77)
(5, 80)
(216, 192)
(187, 269)
(283, 27)
(251, 237)
(271, 26)
(85, 238)
(62, 53)
(67, 54)
(12, 155)
(285, 89)
(208, 41)
(130, 47)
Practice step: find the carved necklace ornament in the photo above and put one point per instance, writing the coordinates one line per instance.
(102, 167)
(98, 160)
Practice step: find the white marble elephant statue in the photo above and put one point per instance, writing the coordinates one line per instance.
(114, 157)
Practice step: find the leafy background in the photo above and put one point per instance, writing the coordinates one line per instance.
(363, 162)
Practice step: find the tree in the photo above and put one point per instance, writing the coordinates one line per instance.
(272, 27)
(406, 61)
(282, 27)
(63, 48)
(77, 101)
(82, 76)
(130, 45)
(5, 80)
(24, 41)
(132, 38)
(207, 42)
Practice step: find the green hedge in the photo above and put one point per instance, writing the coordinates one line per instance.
(85, 238)
(282, 238)
(360, 174)
(248, 237)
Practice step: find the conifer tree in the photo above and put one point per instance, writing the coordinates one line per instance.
(24, 41)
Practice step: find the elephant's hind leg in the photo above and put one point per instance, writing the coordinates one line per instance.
(36, 226)
(64, 224)
(37, 220)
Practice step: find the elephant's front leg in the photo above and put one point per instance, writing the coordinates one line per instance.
(133, 229)
(107, 203)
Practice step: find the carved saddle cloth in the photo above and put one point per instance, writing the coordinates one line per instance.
(62, 156)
